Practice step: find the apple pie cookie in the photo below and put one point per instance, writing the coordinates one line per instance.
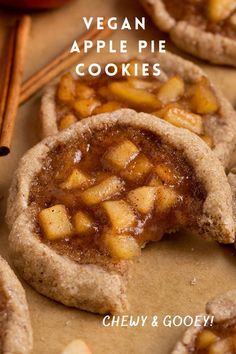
(232, 183)
(206, 29)
(15, 327)
(218, 337)
(85, 201)
(182, 95)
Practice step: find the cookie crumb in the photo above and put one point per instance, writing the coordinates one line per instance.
(193, 281)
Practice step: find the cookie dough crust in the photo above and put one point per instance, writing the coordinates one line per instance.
(16, 328)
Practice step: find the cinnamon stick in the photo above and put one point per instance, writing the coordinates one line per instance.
(6, 74)
(61, 63)
(12, 83)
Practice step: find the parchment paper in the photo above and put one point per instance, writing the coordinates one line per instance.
(175, 276)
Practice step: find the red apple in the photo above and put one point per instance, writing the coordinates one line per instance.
(33, 4)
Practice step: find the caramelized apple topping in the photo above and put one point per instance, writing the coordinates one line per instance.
(104, 196)
(217, 339)
(183, 104)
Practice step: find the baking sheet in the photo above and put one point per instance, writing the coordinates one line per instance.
(174, 277)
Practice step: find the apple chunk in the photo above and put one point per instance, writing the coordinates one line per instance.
(83, 91)
(223, 346)
(203, 100)
(67, 121)
(133, 96)
(105, 93)
(55, 222)
(82, 222)
(166, 198)
(220, 10)
(120, 214)
(165, 173)
(121, 155)
(155, 181)
(76, 179)
(102, 191)
(77, 346)
(161, 113)
(108, 107)
(66, 89)
(121, 246)
(143, 198)
(85, 107)
(171, 90)
(205, 339)
(138, 168)
(183, 119)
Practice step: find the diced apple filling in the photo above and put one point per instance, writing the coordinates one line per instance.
(85, 107)
(155, 181)
(165, 173)
(67, 121)
(223, 346)
(203, 99)
(106, 93)
(55, 222)
(171, 90)
(83, 91)
(138, 168)
(121, 246)
(205, 339)
(161, 113)
(133, 96)
(143, 198)
(120, 214)
(77, 179)
(166, 198)
(183, 119)
(83, 223)
(220, 10)
(66, 89)
(121, 155)
(102, 191)
(108, 107)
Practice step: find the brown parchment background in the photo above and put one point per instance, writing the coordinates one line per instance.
(161, 279)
